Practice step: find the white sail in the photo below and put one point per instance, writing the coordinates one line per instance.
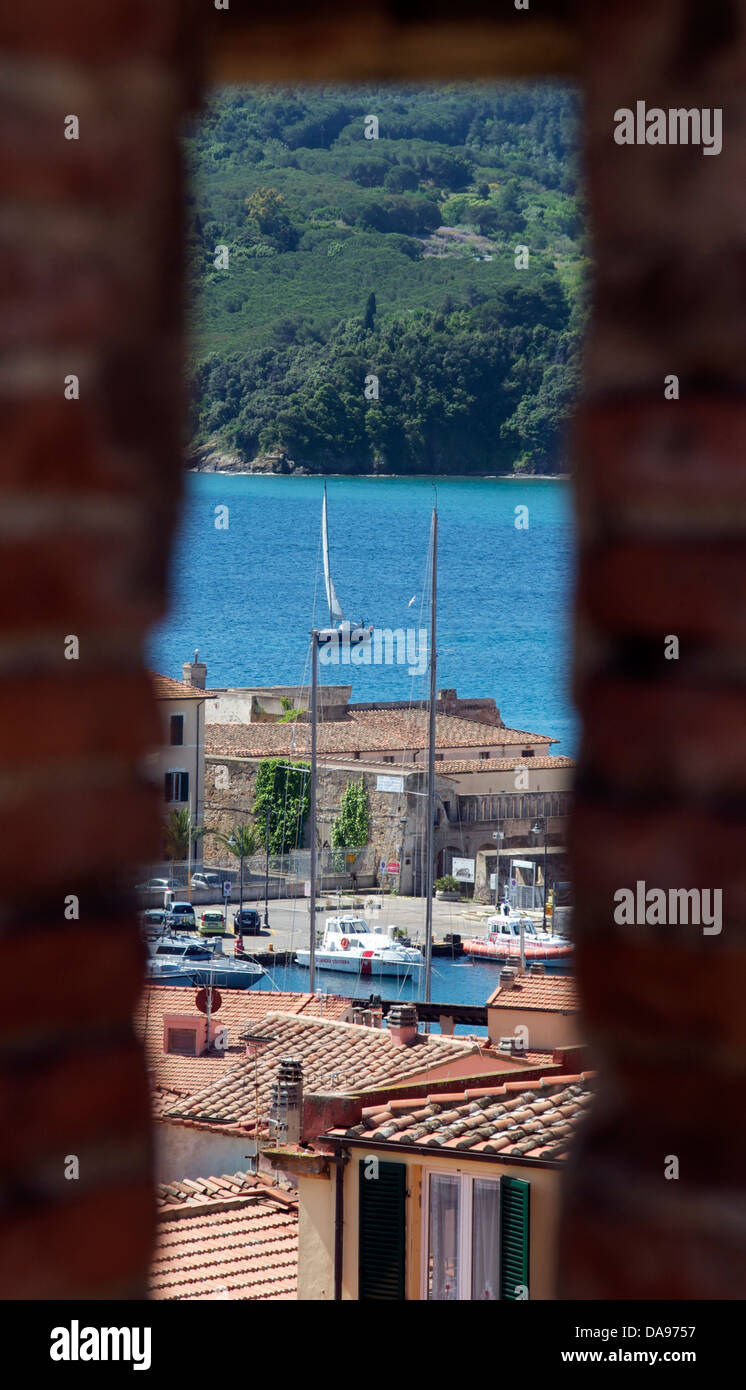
(335, 610)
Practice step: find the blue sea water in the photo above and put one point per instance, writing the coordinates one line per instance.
(464, 981)
(247, 594)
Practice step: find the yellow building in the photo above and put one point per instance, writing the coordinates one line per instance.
(447, 1197)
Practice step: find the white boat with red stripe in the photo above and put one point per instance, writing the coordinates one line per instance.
(349, 944)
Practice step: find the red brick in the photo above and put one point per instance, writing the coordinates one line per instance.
(668, 464)
(655, 588)
(95, 1245)
(103, 987)
(643, 734)
(85, 828)
(53, 1106)
(126, 29)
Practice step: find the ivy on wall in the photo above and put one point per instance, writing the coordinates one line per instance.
(283, 801)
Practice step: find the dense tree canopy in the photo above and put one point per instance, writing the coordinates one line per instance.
(390, 258)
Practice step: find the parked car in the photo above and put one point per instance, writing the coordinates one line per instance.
(181, 916)
(208, 879)
(247, 919)
(212, 923)
(153, 917)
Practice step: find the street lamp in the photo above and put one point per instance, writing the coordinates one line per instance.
(541, 824)
(266, 865)
(498, 836)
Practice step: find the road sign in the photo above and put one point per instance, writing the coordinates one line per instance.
(393, 866)
(226, 888)
(382, 867)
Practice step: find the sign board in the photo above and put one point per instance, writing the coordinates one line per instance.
(393, 866)
(523, 863)
(226, 887)
(350, 858)
(307, 888)
(493, 880)
(463, 869)
(389, 784)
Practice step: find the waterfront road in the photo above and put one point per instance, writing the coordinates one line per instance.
(289, 918)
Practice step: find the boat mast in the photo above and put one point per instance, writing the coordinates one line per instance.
(312, 816)
(430, 835)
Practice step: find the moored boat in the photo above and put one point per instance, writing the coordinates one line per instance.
(350, 945)
(175, 960)
(503, 943)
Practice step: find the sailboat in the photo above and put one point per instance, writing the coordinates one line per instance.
(340, 629)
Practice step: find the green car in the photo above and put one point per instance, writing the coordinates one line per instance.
(211, 924)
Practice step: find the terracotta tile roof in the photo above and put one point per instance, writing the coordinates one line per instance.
(240, 1010)
(167, 689)
(505, 764)
(549, 993)
(366, 731)
(232, 1237)
(520, 1119)
(344, 1057)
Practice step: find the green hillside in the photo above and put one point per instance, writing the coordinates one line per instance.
(392, 258)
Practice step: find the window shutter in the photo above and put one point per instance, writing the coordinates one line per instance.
(167, 792)
(514, 1235)
(382, 1232)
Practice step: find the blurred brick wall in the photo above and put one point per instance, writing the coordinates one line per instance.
(661, 492)
(90, 257)
(91, 254)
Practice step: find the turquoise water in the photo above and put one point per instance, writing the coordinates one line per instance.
(247, 595)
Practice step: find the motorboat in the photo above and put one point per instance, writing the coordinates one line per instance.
(180, 960)
(503, 942)
(349, 944)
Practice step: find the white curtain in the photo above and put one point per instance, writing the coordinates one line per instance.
(443, 1282)
(485, 1239)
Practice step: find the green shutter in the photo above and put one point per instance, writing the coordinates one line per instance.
(382, 1231)
(514, 1234)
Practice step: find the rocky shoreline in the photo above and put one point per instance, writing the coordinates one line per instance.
(209, 459)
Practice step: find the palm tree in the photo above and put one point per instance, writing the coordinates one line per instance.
(243, 841)
(180, 835)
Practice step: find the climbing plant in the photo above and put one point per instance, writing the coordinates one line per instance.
(351, 828)
(283, 801)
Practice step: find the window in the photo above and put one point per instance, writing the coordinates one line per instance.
(177, 729)
(477, 1238)
(381, 1231)
(183, 1041)
(484, 755)
(527, 753)
(177, 786)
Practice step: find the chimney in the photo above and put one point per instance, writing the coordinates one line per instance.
(194, 672)
(286, 1111)
(537, 967)
(402, 1024)
(507, 977)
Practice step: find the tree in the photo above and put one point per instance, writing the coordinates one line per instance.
(370, 313)
(243, 841)
(180, 833)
